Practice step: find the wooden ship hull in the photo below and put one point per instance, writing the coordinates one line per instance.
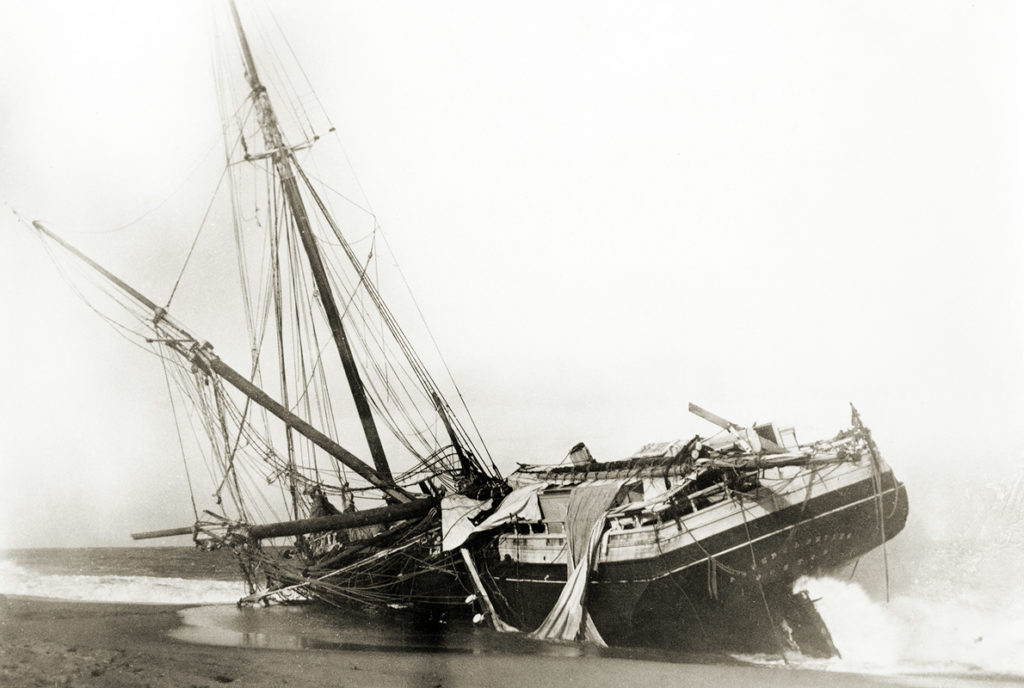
(688, 554)
(400, 568)
(718, 578)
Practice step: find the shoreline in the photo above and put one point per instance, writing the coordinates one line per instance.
(70, 643)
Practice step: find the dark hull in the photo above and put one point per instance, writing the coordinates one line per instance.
(381, 574)
(732, 590)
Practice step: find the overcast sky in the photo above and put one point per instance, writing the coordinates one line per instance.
(605, 211)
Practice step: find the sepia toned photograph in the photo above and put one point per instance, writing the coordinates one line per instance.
(483, 344)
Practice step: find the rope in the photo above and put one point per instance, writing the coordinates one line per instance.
(202, 224)
(876, 480)
(681, 589)
(194, 168)
(731, 571)
(757, 579)
(181, 443)
(412, 358)
(880, 510)
(323, 110)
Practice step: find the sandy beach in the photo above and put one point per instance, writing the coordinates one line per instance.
(57, 643)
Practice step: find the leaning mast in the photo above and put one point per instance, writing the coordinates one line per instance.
(284, 161)
(200, 354)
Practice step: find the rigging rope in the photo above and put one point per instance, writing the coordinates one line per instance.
(202, 224)
(181, 443)
(416, 364)
(738, 498)
(309, 84)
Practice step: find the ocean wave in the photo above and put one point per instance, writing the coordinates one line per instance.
(16, 580)
(933, 630)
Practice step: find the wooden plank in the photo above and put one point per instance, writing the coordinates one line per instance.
(351, 519)
(170, 532)
(712, 418)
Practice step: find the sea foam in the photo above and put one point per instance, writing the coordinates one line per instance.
(16, 580)
(934, 629)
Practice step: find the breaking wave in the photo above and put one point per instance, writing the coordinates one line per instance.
(936, 628)
(16, 580)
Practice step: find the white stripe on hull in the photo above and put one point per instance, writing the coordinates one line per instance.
(780, 489)
(720, 553)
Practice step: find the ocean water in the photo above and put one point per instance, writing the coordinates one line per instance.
(143, 575)
(958, 611)
(955, 617)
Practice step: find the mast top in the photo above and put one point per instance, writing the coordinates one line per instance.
(285, 165)
(251, 75)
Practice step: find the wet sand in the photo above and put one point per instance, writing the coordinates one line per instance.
(58, 643)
